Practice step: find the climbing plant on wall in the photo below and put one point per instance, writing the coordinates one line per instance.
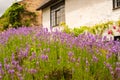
(14, 14)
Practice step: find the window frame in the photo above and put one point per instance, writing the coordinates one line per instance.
(58, 7)
(116, 4)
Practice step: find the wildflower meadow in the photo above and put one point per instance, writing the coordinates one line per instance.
(33, 53)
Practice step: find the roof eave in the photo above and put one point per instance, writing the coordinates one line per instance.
(44, 5)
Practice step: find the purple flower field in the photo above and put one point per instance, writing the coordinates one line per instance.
(29, 53)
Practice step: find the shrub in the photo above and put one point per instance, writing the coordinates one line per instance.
(80, 30)
(16, 24)
(96, 29)
(16, 16)
(118, 23)
(5, 25)
(65, 28)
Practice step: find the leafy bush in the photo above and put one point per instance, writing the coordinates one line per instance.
(66, 28)
(100, 28)
(5, 25)
(27, 22)
(96, 29)
(16, 16)
(80, 30)
(16, 24)
(118, 23)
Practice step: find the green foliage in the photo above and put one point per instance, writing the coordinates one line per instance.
(14, 14)
(66, 28)
(27, 22)
(80, 30)
(99, 28)
(5, 25)
(118, 23)
(16, 24)
(96, 29)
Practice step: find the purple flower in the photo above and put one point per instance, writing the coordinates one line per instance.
(19, 68)
(33, 56)
(0, 66)
(95, 59)
(78, 60)
(108, 55)
(14, 62)
(44, 57)
(5, 60)
(73, 59)
(87, 63)
(70, 54)
(32, 71)
(7, 66)
(0, 77)
(11, 71)
(13, 56)
(117, 69)
(108, 65)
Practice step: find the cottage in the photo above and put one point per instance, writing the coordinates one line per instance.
(76, 13)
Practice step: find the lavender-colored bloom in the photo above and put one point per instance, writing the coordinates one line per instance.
(70, 54)
(19, 68)
(33, 56)
(13, 56)
(32, 71)
(19, 76)
(0, 66)
(117, 69)
(5, 60)
(44, 57)
(73, 59)
(87, 63)
(112, 73)
(7, 66)
(1, 71)
(11, 71)
(95, 59)
(14, 63)
(108, 55)
(0, 77)
(78, 60)
(107, 65)
(118, 64)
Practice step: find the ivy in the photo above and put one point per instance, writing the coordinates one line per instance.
(14, 14)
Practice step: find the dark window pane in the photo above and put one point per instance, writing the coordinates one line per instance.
(116, 4)
(57, 14)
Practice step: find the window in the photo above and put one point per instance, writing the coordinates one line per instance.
(57, 13)
(116, 4)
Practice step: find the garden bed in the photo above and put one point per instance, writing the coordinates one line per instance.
(36, 54)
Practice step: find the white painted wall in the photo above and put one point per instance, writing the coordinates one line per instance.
(85, 12)
(89, 12)
(46, 17)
